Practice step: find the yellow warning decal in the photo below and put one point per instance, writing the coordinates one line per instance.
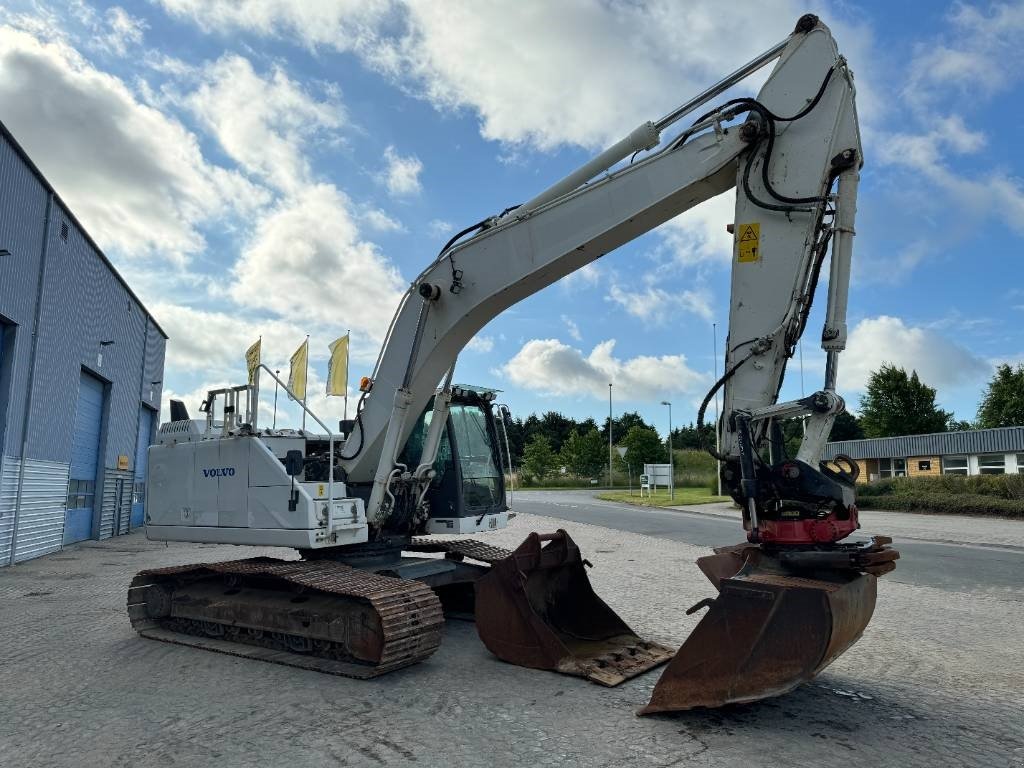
(748, 236)
(320, 491)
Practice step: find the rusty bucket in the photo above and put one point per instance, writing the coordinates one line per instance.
(767, 632)
(536, 608)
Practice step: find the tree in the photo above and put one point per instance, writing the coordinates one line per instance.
(583, 455)
(643, 446)
(898, 404)
(1003, 402)
(538, 459)
(846, 427)
(688, 438)
(622, 425)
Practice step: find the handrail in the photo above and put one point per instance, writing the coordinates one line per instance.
(330, 439)
(503, 410)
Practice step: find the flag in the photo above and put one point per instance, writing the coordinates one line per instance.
(297, 374)
(337, 367)
(252, 360)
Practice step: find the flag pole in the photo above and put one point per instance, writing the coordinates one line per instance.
(306, 387)
(348, 333)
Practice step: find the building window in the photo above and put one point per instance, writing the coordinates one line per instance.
(139, 493)
(992, 464)
(1020, 463)
(81, 494)
(954, 465)
(892, 468)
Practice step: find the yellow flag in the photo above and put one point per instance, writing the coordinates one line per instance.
(252, 360)
(337, 367)
(297, 374)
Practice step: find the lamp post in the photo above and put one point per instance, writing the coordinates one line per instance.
(718, 447)
(671, 461)
(611, 482)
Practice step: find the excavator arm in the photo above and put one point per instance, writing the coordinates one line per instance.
(783, 152)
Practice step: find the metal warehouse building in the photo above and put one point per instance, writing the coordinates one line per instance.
(969, 452)
(81, 367)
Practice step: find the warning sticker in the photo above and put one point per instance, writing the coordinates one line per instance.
(748, 236)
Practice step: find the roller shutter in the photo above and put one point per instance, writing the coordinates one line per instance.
(85, 454)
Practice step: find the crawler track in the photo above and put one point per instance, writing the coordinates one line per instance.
(319, 615)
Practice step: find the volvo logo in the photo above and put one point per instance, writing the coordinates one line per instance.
(219, 472)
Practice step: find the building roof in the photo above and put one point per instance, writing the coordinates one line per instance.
(973, 441)
(9, 137)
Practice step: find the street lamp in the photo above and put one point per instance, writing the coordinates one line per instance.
(671, 461)
(718, 447)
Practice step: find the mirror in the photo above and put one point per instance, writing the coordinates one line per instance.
(293, 463)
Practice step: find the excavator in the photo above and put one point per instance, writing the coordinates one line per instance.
(363, 504)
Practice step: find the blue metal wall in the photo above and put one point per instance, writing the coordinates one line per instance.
(84, 303)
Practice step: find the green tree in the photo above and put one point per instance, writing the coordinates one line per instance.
(571, 455)
(846, 427)
(539, 461)
(622, 425)
(1003, 402)
(643, 446)
(688, 438)
(898, 404)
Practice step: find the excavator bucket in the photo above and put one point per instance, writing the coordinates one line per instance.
(536, 608)
(766, 633)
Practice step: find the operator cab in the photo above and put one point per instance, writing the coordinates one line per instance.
(467, 493)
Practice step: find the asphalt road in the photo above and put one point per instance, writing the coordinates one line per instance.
(995, 571)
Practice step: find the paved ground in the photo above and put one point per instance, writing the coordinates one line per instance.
(937, 680)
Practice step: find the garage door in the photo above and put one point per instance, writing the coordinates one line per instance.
(85, 453)
(141, 464)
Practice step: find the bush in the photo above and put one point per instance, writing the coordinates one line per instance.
(995, 486)
(947, 494)
(939, 504)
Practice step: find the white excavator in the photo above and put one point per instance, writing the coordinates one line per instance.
(369, 589)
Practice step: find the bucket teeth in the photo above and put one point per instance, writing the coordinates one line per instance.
(536, 608)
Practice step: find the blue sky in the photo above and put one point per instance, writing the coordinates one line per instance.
(267, 168)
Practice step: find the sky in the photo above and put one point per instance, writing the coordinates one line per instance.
(266, 168)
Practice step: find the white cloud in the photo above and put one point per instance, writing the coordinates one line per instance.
(518, 69)
(980, 57)
(938, 361)
(586, 276)
(307, 263)
(401, 174)
(340, 24)
(123, 31)
(380, 221)
(480, 344)
(515, 66)
(550, 367)
(699, 235)
(213, 343)
(439, 228)
(572, 328)
(656, 305)
(262, 122)
(133, 175)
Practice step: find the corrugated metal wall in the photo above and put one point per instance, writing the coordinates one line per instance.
(21, 232)
(8, 491)
(117, 503)
(41, 520)
(84, 302)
